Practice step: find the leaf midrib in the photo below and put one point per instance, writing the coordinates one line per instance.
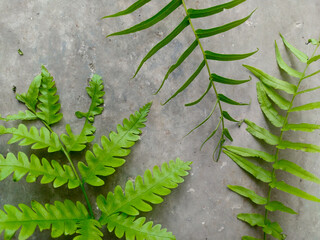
(44, 220)
(44, 173)
(164, 179)
(140, 230)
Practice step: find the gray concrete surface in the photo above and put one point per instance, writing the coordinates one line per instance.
(68, 37)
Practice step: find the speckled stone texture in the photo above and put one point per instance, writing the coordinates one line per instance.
(68, 37)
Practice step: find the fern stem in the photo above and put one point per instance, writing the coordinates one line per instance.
(282, 132)
(209, 72)
(74, 171)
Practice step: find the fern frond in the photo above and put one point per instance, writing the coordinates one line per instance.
(268, 98)
(62, 218)
(103, 160)
(77, 142)
(50, 172)
(30, 99)
(206, 55)
(39, 139)
(149, 189)
(48, 100)
(133, 228)
(74, 142)
(23, 116)
(95, 92)
(89, 229)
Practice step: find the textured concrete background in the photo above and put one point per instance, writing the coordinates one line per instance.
(68, 37)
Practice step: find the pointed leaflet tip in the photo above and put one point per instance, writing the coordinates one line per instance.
(138, 4)
(163, 13)
(300, 55)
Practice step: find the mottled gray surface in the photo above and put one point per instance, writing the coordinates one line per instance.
(68, 37)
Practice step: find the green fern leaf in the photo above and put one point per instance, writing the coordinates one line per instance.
(279, 206)
(258, 172)
(227, 134)
(282, 186)
(132, 228)
(275, 230)
(164, 42)
(62, 218)
(30, 99)
(179, 62)
(272, 81)
(271, 228)
(227, 116)
(296, 170)
(95, 91)
(225, 99)
(216, 78)
(227, 57)
(308, 90)
(267, 108)
(50, 172)
(204, 33)
(266, 93)
(130, 9)
(280, 101)
(245, 192)
(38, 139)
(248, 152)
(23, 116)
(306, 127)
(313, 59)
(306, 107)
(305, 147)
(103, 160)
(77, 142)
(149, 189)
(253, 219)
(188, 82)
(166, 11)
(206, 55)
(284, 66)
(48, 99)
(89, 230)
(200, 13)
(261, 133)
(300, 55)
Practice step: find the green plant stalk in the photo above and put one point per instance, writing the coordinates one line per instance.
(208, 69)
(281, 135)
(73, 169)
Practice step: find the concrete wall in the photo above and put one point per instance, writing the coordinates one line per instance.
(68, 37)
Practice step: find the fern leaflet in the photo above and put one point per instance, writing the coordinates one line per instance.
(103, 160)
(206, 55)
(30, 99)
(133, 228)
(50, 172)
(38, 139)
(89, 230)
(48, 99)
(25, 116)
(62, 218)
(77, 142)
(268, 98)
(150, 188)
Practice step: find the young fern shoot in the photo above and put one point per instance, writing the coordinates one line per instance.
(199, 34)
(268, 97)
(119, 210)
